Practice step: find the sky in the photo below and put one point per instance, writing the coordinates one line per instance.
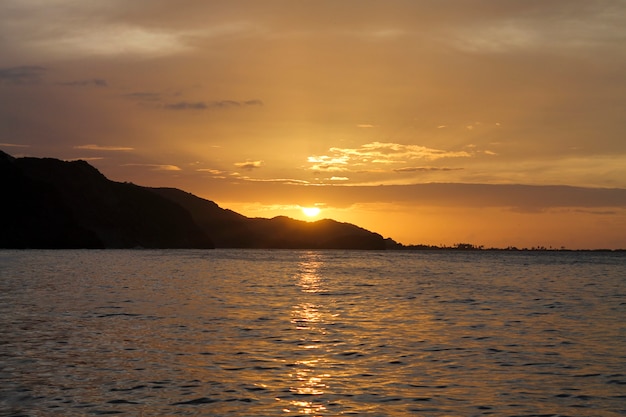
(496, 123)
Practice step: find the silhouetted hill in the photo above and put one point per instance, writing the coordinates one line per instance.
(50, 203)
(232, 230)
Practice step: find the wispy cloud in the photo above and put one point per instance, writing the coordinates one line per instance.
(378, 153)
(22, 75)
(329, 163)
(89, 158)
(287, 181)
(155, 167)
(92, 147)
(425, 169)
(162, 100)
(212, 171)
(187, 105)
(114, 40)
(385, 151)
(14, 145)
(599, 24)
(249, 165)
(205, 105)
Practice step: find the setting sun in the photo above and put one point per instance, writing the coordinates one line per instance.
(310, 211)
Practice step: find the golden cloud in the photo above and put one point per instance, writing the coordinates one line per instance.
(249, 164)
(156, 167)
(385, 153)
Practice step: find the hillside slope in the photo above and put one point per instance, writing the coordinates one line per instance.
(50, 203)
(232, 230)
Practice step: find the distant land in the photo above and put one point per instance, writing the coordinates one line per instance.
(54, 204)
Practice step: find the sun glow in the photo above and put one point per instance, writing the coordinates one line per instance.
(310, 211)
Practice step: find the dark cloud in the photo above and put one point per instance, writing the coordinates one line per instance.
(27, 74)
(205, 105)
(598, 212)
(523, 198)
(520, 197)
(186, 105)
(94, 82)
(225, 104)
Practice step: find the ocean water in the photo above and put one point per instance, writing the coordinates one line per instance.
(312, 333)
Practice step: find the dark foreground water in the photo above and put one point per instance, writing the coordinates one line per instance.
(328, 333)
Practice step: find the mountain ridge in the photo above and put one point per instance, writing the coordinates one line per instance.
(50, 203)
(230, 229)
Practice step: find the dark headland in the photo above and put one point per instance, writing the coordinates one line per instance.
(54, 204)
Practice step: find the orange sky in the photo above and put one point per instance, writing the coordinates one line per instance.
(352, 106)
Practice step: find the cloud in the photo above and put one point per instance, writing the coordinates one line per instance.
(584, 25)
(14, 145)
(286, 181)
(94, 82)
(105, 148)
(224, 104)
(22, 75)
(113, 40)
(157, 99)
(249, 165)
(89, 158)
(67, 29)
(525, 198)
(155, 167)
(328, 163)
(389, 152)
(186, 105)
(597, 212)
(212, 171)
(204, 105)
(378, 153)
(339, 178)
(425, 169)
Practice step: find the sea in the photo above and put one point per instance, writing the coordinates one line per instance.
(312, 333)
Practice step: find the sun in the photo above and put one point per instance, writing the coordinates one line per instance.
(310, 211)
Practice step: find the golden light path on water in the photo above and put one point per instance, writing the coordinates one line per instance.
(309, 380)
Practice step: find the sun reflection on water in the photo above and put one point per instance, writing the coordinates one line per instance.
(310, 383)
(309, 278)
(310, 379)
(305, 316)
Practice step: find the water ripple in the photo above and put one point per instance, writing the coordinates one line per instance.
(200, 333)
